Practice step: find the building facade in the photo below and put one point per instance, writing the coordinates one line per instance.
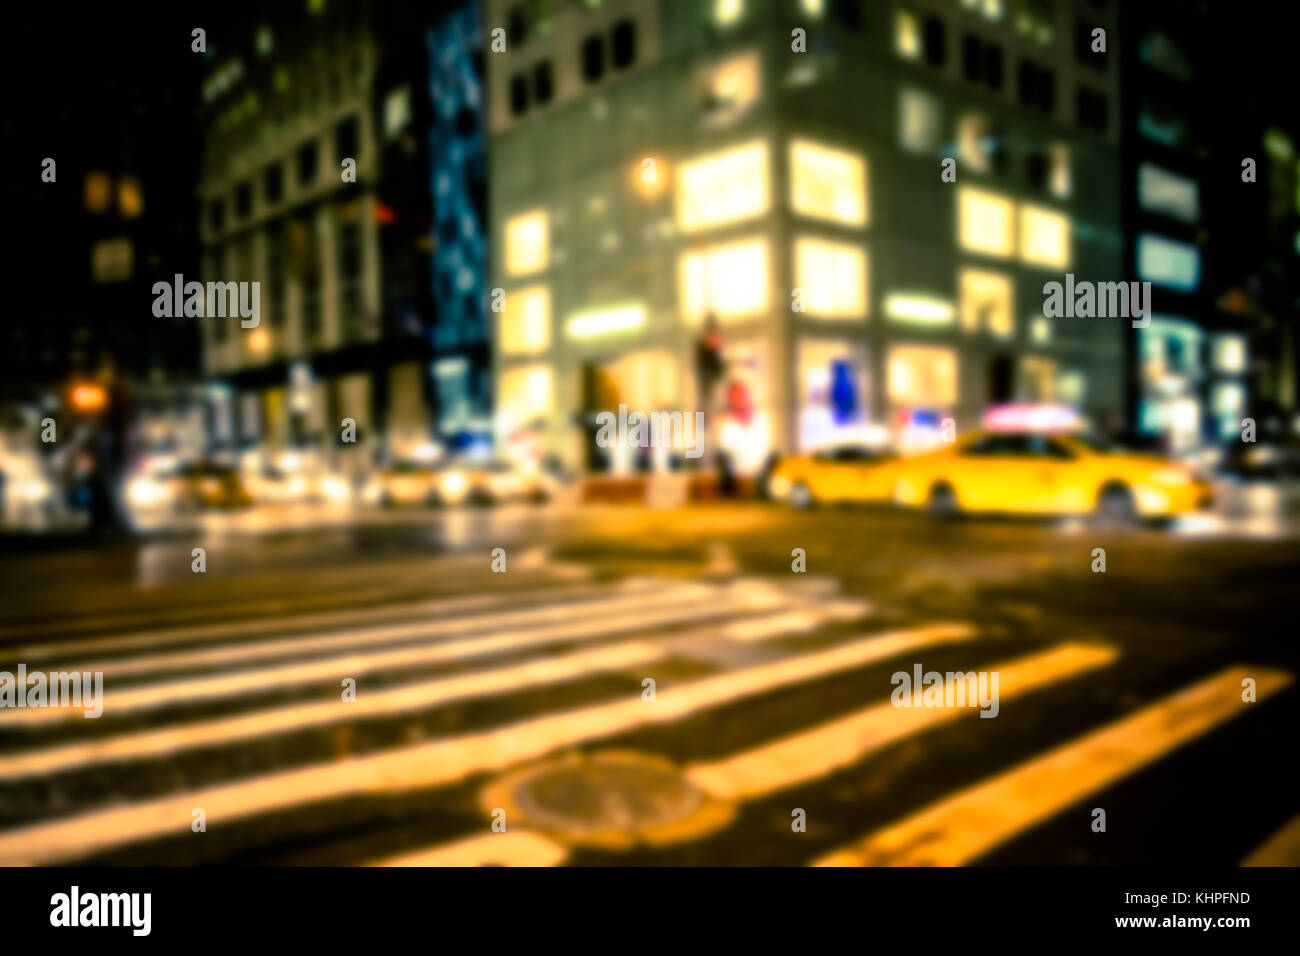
(770, 174)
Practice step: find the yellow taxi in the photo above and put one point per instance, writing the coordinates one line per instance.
(1045, 473)
(848, 472)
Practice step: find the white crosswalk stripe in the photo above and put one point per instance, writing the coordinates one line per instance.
(552, 637)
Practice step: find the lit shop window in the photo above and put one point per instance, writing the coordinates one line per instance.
(1168, 263)
(723, 187)
(528, 244)
(729, 281)
(918, 121)
(526, 321)
(987, 303)
(828, 183)
(1164, 192)
(985, 222)
(526, 394)
(1044, 237)
(833, 277)
(923, 376)
(907, 34)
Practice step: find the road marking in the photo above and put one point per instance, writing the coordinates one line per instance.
(967, 825)
(293, 646)
(440, 762)
(800, 621)
(511, 848)
(1281, 849)
(240, 683)
(815, 753)
(424, 695)
(325, 620)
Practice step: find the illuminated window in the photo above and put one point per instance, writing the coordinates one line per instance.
(827, 183)
(723, 187)
(130, 200)
(975, 143)
(918, 121)
(99, 192)
(730, 281)
(833, 277)
(527, 243)
(1058, 177)
(728, 11)
(987, 302)
(985, 222)
(923, 376)
(1044, 237)
(1162, 191)
(1168, 263)
(907, 34)
(526, 393)
(526, 321)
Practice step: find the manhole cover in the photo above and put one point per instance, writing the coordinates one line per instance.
(612, 799)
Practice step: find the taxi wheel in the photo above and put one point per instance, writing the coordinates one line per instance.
(942, 501)
(801, 495)
(1115, 506)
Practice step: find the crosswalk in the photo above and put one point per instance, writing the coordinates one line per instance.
(253, 721)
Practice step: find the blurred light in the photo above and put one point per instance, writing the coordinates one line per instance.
(731, 281)
(1058, 178)
(987, 302)
(919, 309)
(1169, 263)
(723, 187)
(527, 243)
(88, 398)
(526, 321)
(814, 8)
(595, 322)
(259, 341)
(726, 12)
(145, 492)
(1278, 144)
(98, 192)
(1022, 416)
(985, 222)
(130, 200)
(265, 40)
(828, 183)
(1044, 237)
(1164, 192)
(112, 260)
(907, 35)
(833, 277)
(728, 89)
(648, 177)
(1230, 353)
(1040, 330)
